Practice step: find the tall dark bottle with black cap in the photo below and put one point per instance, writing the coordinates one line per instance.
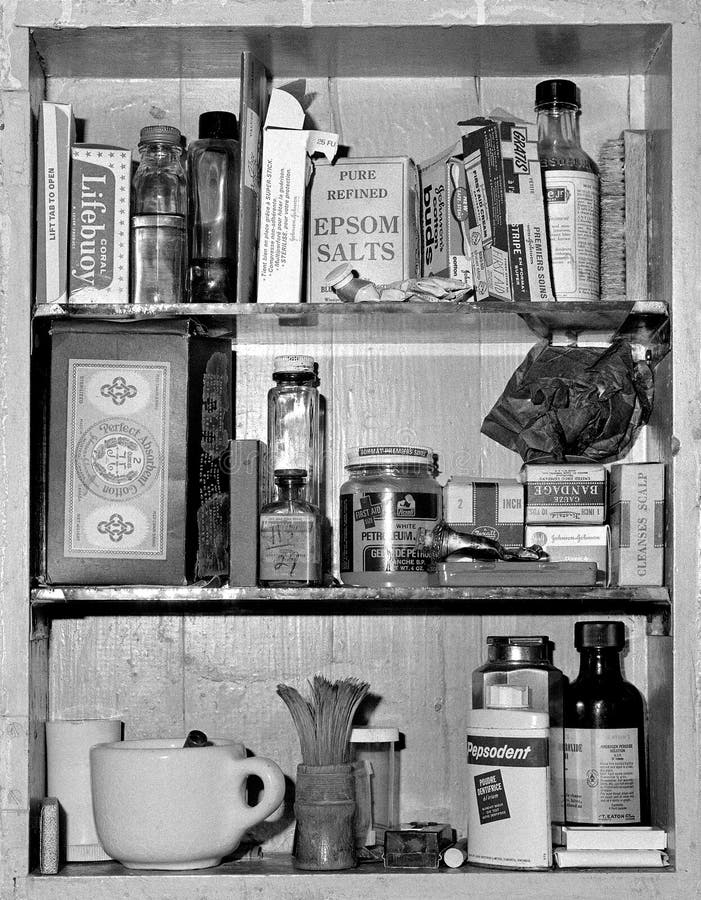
(571, 192)
(605, 771)
(213, 182)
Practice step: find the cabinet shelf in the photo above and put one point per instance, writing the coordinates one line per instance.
(275, 877)
(419, 322)
(197, 599)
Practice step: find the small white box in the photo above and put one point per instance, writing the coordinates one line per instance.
(575, 543)
(284, 174)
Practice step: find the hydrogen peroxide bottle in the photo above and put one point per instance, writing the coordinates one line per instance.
(571, 191)
(605, 775)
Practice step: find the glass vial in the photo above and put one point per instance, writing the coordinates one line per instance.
(571, 190)
(290, 535)
(159, 212)
(527, 662)
(213, 184)
(294, 440)
(605, 774)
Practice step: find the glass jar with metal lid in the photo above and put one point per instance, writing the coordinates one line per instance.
(391, 495)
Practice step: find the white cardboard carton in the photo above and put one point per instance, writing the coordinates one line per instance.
(286, 151)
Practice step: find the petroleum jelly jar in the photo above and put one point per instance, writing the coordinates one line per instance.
(390, 497)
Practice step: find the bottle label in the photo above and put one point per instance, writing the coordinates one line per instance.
(380, 531)
(572, 203)
(602, 777)
(288, 548)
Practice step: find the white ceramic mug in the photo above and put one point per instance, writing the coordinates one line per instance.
(159, 805)
(68, 743)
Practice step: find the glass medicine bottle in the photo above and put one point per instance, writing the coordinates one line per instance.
(213, 185)
(290, 535)
(390, 499)
(571, 191)
(159, 214)
(605, 773)
(294, 439)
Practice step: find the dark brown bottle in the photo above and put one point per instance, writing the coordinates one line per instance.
(605, 775)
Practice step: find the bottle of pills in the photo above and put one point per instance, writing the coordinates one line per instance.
(391, 496)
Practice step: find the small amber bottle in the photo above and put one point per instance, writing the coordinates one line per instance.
(290, 535)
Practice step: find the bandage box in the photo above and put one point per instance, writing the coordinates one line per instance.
(362, 211)
(636, 517)
(567, 493)
(493, 508)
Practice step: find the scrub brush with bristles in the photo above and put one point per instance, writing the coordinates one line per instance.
(623, 214)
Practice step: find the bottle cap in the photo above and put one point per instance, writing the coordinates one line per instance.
(557, 90)
(218, 124)
(340, 276)
(163, 134)
(535, 649)
(599, 634)
(293, 364)
(508, 696)
(372, 735)
(391, 455)
(284, 474)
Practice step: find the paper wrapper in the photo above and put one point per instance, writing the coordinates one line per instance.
(573, 403)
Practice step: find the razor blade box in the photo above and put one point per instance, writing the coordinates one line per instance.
(417, 845)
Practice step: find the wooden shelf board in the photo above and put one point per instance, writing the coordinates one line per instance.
(195, 599)
(422, 322)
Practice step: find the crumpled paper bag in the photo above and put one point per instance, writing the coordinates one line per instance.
(564, 403)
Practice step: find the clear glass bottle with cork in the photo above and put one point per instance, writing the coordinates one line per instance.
(290, 535)
(571, 191)
(213, 183)
(159, 213)
(605, 771)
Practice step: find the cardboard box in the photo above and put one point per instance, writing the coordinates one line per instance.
(139, 422)
(493, 508)
(249, 493)
(575, 543)
(443, 217)
(507, 212)
(99, 245)
(364, 212)
(252, 107)
(636, 517)
(565, 493)
(286, 152)
(56, 137)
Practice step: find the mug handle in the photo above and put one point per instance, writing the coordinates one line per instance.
(273, 789)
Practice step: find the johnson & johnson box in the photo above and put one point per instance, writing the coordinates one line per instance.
(362, 212)
(565, 493)
(139, 422)
(575, 543)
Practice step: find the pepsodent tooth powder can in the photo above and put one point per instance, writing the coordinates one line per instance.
(508, 789)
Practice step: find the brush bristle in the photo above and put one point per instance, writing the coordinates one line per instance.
(613, 224)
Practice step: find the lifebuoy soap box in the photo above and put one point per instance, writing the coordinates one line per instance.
(362, 212)
(139, 422)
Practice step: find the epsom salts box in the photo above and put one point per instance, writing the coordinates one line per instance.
(139, 421)
(362, 212)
